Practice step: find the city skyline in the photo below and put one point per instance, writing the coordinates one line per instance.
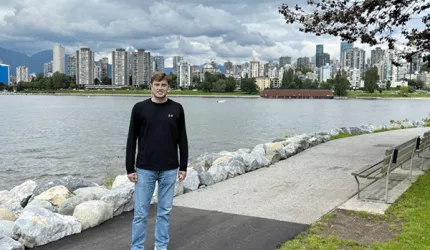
(196, 31)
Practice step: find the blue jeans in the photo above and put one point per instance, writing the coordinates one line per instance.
(143, 191)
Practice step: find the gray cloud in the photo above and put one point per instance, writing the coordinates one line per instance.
(197, 30)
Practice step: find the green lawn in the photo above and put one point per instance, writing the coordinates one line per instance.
(387, 94)
(407, 220)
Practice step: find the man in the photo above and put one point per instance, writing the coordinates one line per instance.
(159, 125)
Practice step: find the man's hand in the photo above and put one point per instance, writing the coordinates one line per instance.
(182, 175)
(132, 177)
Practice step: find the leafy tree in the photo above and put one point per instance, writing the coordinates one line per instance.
(248, 86)
(341, 84)
(2, 86)
(230, 85)
(415, 83)
(307, 83)
(371, 79)
(388, 85)
(369, 21)
(288, 79)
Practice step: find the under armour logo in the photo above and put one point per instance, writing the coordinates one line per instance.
(170, 115)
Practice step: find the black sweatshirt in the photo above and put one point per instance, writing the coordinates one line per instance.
(159, 128)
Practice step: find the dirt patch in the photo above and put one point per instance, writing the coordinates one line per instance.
(361, 228)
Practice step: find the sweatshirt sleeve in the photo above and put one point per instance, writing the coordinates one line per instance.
(182, 141)
(131, 142)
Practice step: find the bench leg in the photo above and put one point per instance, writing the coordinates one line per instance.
(358, 187)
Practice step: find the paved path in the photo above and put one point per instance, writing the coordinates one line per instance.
(260, 209)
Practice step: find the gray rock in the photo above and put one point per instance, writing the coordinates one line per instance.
(14, 206)
(120, 198)
(314, 141)
(358, 130)
(6, 214)
(407, 124)
(204, 161)
(290, 149)
(24, 191)
(6, 228)
(244, 150)
(93, 193)
(69, 205)
(235, 168)
(41, 203)
(219, 173)
(7, 243)
(191, 181)
(261, 159)
(206, 178)
(345, 130)
(119, 181)
(251, 162)
(418, 124)
(39, 226)
(93, 213)
(259, 149)
(70, 182)
(334, 132)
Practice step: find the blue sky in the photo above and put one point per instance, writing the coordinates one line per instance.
(197, 30)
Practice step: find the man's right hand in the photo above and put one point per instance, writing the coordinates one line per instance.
(132, 177)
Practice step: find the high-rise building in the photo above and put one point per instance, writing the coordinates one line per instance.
(184, 75)
(376, 56)
(254, 69)
(59, 59)
(356, 59)
(228, 67)
(104, 66)
(303, 62)
(84, 67)
(319, 56)
(159, 63)
(22, 74)
(71, 65)
(97, 72)
(120, 65)
(4, 74)
(343, 47)
(176, 60)
(47, 69)
(284, 60)
(326, 59)
(142, 71)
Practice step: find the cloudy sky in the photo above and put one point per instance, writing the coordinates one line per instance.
(198, 30)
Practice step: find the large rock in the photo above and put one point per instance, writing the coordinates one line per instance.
(191, 181)
(93, 193)
(204, 161)
(6, 214)
(271, 148)
(42, 204)
(55, 195)
(235, 168)
(291, 149)
(121, 198)
(219, 173)
(71, 183)
(69, 205)
(206, 178)
(120, 180)
(259, 149)
(38, 226)
(7, 243)
(6, 228)
(24, 191)
(93, 213)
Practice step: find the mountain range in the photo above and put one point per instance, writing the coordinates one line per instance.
(36, 61)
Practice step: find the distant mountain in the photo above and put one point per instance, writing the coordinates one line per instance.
(34, 62)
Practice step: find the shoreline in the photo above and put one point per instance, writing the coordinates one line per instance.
(76, 204)
(244, 96)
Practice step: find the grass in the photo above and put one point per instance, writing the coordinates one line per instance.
(410, 215)
(388, 94)
(142, 92)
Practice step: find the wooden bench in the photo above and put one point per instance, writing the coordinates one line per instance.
(424, 145)
(394, 158)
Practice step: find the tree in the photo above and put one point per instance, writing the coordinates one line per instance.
(288, 79)
(341, 84)
(248, 86)
(388, 85)
(371, 79)
(369, 21)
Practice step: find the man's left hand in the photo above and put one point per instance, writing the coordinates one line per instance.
(182, 175)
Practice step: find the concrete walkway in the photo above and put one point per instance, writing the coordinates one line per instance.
(302, 188)
(258, 210)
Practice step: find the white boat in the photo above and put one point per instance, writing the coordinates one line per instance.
(221, 101)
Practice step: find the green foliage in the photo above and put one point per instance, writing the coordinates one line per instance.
(371, 78)
(341, 84)
(288, 79)
(388, 85)
(248, 86)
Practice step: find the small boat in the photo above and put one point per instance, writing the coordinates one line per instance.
(221, 101)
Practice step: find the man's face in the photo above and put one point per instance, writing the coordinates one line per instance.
(159, 89)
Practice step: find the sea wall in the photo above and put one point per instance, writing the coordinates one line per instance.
(34, 214)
